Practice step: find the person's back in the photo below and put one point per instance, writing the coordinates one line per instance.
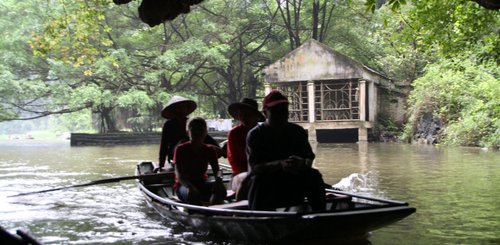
(173, 132)
(280, 157)
(195, 160)
(270, 144)
(174, 129)
(191, 160)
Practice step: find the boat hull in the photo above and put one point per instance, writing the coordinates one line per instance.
(265, 226)
(262, 229)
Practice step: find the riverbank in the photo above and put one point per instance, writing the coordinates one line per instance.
(95, 139)
(36, 135)
(127, 138)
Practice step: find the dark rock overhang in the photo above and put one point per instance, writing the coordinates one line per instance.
(489, 4)
(155, 12)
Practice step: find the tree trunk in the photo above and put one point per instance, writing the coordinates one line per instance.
(253, 84)
(107, 122)
(315, 20)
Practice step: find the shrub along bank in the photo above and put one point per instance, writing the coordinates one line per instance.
(456, 102)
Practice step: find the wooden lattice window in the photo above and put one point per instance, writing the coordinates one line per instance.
(297, 96)
(336, 100)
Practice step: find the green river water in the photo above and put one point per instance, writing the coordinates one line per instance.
(456, 192)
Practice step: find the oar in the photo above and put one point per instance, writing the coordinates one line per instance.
(97, 182)
(368, 198)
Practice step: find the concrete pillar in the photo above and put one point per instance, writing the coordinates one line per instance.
(362, 135)
(362, 100)
(267, 88)
(310, 100)
(372, 102)
(363, 158)
(311, 110)
(311, 133)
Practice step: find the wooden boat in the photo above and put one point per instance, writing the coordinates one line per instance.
(347, 215)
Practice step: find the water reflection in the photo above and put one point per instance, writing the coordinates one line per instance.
(455, 191)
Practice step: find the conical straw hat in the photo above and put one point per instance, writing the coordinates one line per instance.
(167, 111)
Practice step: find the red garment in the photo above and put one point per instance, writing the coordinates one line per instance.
(196, 161)
(173, 133)
(236, 149)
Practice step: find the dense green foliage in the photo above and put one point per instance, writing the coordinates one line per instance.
(460, 81)
(94, 60)
(465, 96)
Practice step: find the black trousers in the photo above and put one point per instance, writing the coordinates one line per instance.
(270, 191)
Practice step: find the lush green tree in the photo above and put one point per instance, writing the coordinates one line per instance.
(94, 56)
(244, 38)
(453, 46)
(188, 54)
(445, 28)
(87, 63)
(73, 31)
(464, 95)
(25, 84)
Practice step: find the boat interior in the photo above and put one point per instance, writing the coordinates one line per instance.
(336, 200)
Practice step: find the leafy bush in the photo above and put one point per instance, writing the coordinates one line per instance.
(465, 96)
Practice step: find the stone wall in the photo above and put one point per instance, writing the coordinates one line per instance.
(392, 105)
(126, 138)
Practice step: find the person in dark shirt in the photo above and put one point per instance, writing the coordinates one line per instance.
(174, 130)
(280, 161)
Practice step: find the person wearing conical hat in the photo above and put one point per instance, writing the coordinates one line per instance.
(174, 130)
(247, 113)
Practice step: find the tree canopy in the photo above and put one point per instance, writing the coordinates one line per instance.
(84, 56)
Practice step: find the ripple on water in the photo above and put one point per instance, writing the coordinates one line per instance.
(455, 191)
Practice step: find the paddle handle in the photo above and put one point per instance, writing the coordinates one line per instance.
(98, 182)
(367, 197)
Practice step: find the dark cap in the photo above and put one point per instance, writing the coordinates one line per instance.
(274, 98)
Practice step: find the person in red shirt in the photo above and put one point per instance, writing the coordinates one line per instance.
(246, 111)
(191, 160)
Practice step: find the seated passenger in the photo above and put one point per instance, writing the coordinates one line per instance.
(191, 160)
(280, 159)
(248, 114)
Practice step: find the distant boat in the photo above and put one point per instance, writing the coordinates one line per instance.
(347, 215)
